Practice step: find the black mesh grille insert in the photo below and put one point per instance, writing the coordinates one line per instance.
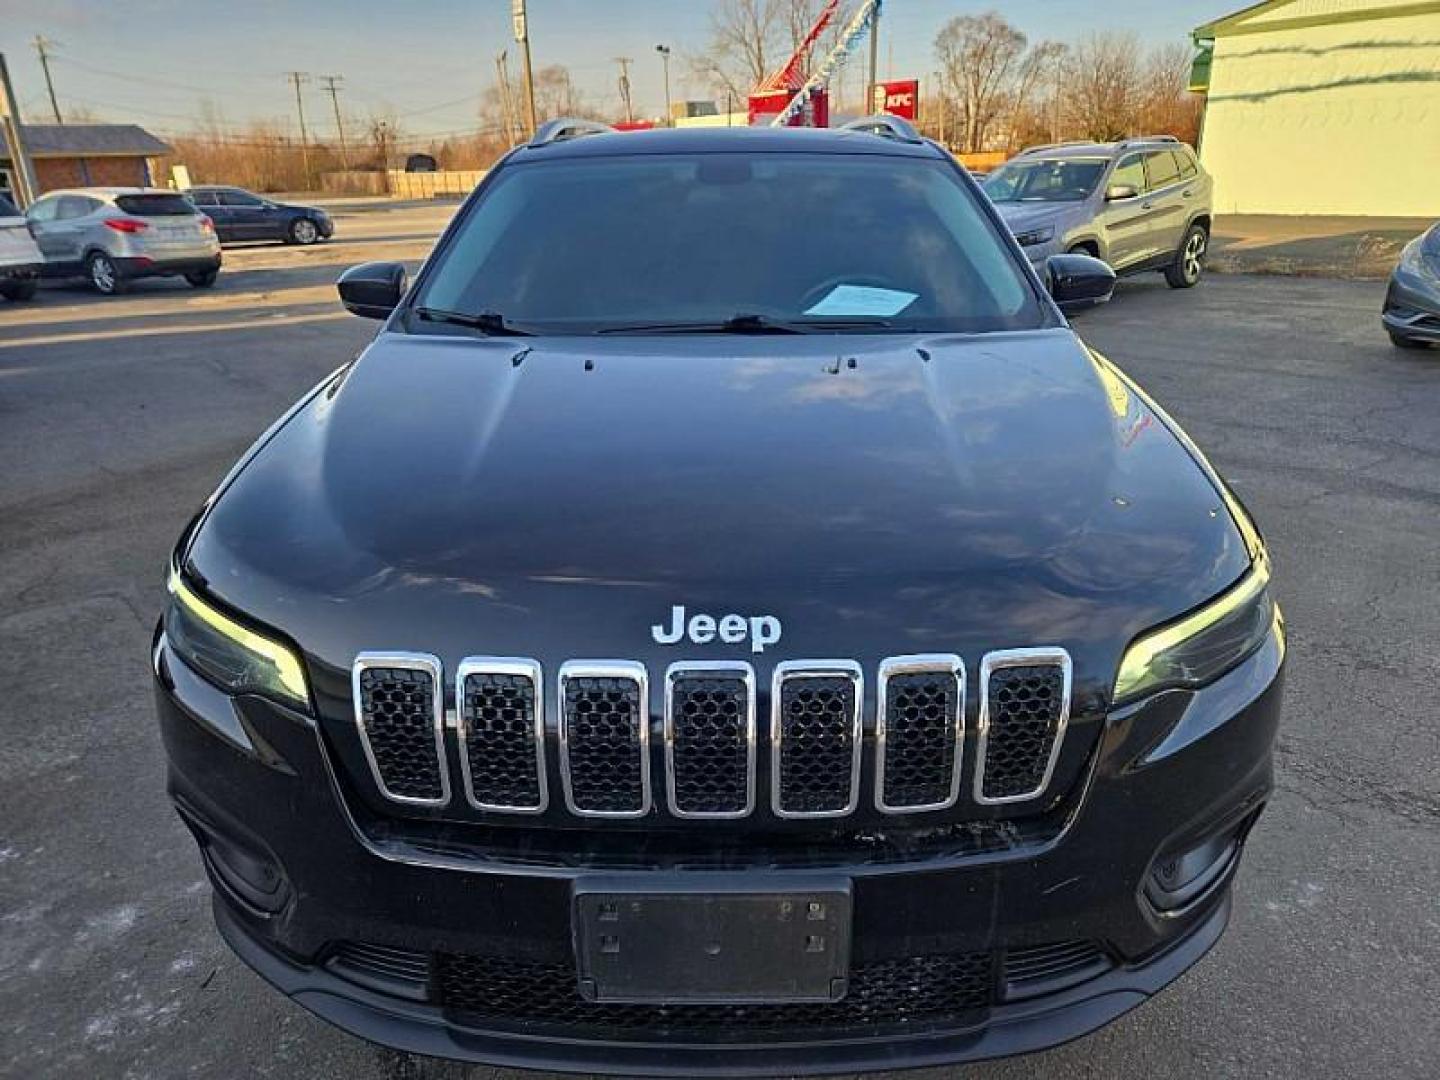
(920, 727)
(887, 993)
(498, 712)
(817, 744)
(397, 707)
(1025, 704)
(710, 742)
(605, 748)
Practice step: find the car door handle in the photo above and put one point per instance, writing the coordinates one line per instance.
(1189, 194)
(1147, 206)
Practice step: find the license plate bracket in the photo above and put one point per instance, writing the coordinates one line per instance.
(712, 945)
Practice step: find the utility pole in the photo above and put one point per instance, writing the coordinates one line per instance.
(870, 81)
(43, 47)
(664, 51)
(298, 77)
(12, 134)
(507, 103)
(331, 82)
(522, 37)
(625, 62)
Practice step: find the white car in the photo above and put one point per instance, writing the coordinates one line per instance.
(20, 258)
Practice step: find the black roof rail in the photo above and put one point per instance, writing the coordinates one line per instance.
(886, 126)
(1142, 140)
(1054, 146)
(567, 127)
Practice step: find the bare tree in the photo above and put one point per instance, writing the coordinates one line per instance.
(1037, 74)
(741, 46)
(1167, 107)
(1104, 77)
(978, 56)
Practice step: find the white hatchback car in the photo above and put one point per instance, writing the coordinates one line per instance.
(20, 258)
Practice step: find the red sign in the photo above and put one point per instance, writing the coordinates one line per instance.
(901, 98)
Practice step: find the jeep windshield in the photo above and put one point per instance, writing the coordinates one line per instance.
(1045, 181)
(726, 243)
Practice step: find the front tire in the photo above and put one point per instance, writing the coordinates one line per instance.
(1401, 342)
(202, 279)
(1189, 264)
(303, 231)
(104, 275)
(19, 290)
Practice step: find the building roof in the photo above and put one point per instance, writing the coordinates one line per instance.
(92, 140)
(1298, 14)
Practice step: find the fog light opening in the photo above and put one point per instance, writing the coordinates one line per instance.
(1181, 877)
(250, 878)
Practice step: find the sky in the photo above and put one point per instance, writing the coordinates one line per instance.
(159, 62)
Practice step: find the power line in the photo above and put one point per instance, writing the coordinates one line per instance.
(43, 47)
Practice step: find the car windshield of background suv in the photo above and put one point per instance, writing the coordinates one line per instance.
(1044, 181)
(847, 243)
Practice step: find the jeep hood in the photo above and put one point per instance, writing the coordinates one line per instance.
(556, 497)
(1022, 216)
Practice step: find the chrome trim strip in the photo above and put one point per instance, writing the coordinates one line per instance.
(686, 667)
(919, 664)
(1010, 658)
(815, 669)
(605, 669)
(503, 665)
(406, 661)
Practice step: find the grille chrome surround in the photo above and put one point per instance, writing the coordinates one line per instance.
(795, 670)
(702, 668)
(628, 670)
(403, 661)
(517, 667)
(946, 664)
(1020, 658)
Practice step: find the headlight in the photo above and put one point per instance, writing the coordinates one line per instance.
(1422, 257)
(238, 659)
(1204, 644)
(1036, 236)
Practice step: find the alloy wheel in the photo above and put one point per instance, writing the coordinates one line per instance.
(1194, 255)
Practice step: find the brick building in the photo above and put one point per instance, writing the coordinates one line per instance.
(89, 155)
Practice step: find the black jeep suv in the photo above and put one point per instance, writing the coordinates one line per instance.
(726, 623)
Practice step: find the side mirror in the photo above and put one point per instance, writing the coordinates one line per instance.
(1078, 281)
(372, 290)
(1120, 192)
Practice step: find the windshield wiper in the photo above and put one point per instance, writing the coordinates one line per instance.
(487, 322)
(748, 324)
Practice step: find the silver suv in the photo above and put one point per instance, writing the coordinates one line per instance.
(1143, 204)
(114, 235)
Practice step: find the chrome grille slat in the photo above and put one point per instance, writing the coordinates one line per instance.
(605, 738)
(400, 715)
(919, 733)
(815, 738)
(500, 713)
(710, 739)
(1024, 711)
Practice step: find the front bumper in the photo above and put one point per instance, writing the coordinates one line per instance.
(1412, 307)
(1166, 775)
(20, 271)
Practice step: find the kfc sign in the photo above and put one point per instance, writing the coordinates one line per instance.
(900, 99)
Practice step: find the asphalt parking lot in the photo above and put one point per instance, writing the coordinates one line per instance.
(118, 416)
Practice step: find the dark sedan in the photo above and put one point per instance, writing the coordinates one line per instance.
(1412, 304)
(242, 215)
